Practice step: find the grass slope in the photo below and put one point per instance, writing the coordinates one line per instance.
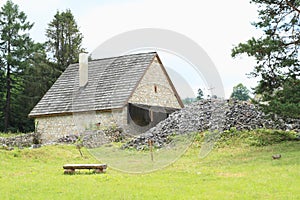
(227, 173)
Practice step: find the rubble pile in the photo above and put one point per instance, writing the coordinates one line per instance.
(212, 115)
(94, 138)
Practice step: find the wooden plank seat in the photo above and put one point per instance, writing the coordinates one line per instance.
(70, 168)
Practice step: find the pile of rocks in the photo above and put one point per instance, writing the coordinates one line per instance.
(68, 139)
(212, 115)
(94, 138)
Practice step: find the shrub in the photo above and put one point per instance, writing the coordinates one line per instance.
(258, 137)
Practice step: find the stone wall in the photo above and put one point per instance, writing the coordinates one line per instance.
(25, 140)
(55, 127)
(154, 89)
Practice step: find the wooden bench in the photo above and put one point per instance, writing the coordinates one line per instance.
(70, 168)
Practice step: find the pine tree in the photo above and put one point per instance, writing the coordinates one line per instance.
(285, 101)
(240, 92)
(15, 49)
(276, 52)
(2, 93)
(64, 39)
(38, 77)
(200, 94)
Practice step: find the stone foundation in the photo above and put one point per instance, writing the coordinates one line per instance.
(55, 127)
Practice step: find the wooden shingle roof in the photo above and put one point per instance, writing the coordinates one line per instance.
(110, 84)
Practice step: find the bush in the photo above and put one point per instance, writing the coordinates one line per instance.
(258, 137)
(263, 137)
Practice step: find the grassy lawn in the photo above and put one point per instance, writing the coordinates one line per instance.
(226, 173)
(132, 161)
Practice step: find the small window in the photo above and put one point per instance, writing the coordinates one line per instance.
(155, 88)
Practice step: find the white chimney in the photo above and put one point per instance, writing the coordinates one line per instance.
(83, 69)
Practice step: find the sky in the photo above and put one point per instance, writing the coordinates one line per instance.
(216, 26)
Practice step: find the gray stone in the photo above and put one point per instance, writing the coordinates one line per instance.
(25, 140)
(212, 114)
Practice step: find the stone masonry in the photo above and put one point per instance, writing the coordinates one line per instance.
(55, 127)
(154, 89)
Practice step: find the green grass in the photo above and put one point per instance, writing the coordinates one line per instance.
(228, 172)
(9, 134)
(133, 161)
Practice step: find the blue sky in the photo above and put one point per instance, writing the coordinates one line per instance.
(215, 26)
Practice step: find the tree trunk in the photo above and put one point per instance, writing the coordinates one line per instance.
(8, 98)
(8, 91)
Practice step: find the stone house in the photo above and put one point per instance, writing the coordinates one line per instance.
(128, 91)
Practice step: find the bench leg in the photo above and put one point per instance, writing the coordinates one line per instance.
(69, 171)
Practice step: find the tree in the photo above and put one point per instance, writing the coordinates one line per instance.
(38, 77)
(2, 94)
(286, 101)
(15, 49)
(200, 94)
(240, 92)
(188, 100)
(64, 39)
(277, 51)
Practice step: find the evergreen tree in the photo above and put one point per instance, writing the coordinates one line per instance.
(38, 77)
(64, 39)
(240, 92)
(285, 101)
(2, 94)
(15, 49)
(188, 100)
(200, 94)
(277, 51)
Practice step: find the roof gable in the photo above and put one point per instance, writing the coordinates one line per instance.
(156, 76)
